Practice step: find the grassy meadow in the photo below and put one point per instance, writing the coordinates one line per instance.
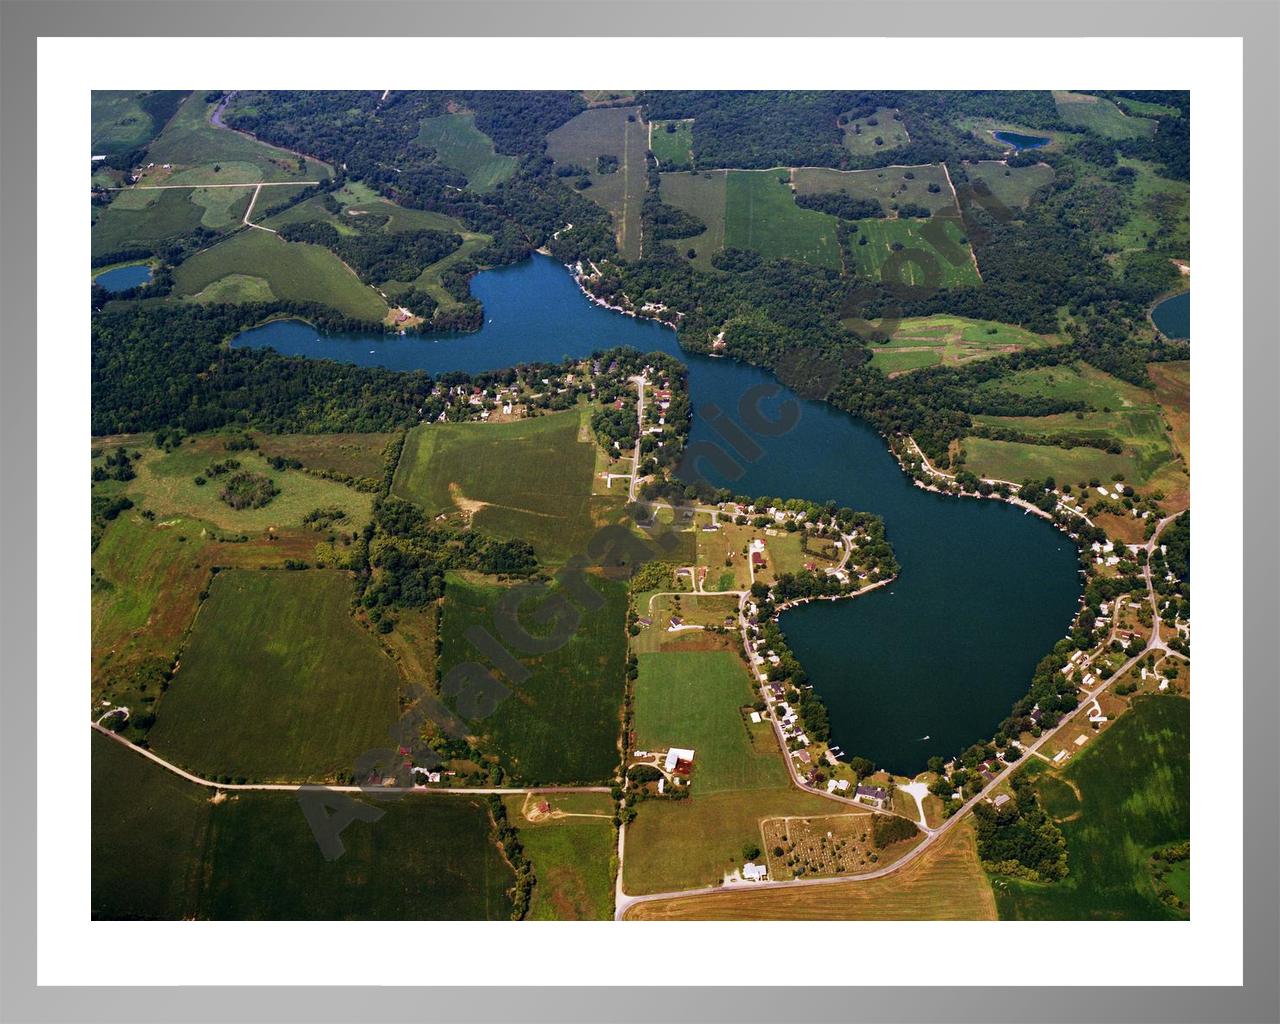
(861, 133)
(561, 725)
(1012, 186)
(609, 131)
(917, 260)
(123, 119)
(529, 478)
(703, 195)
(296, 271)
(573, 856)
(277, 681)
(889, 186)
(673, 148)
(1125, 795)
(459, 144)
(1100, 115)
(163, 850)
(951, 340)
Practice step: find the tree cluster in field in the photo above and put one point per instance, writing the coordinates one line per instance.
(1019, 838)
(248, 490)
(117, 465)
(887, 829)
(842, 205)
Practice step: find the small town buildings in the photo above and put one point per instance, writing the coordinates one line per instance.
(754, 872)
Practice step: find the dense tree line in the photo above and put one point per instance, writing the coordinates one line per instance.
(1019, 838)
(376, 255)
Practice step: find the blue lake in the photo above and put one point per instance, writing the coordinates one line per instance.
(1019, 141)
(123, 278)
(1172, 317)
(943, 653)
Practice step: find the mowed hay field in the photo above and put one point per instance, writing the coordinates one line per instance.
(166, 483)
(149, 217)
(561, 724)
(1011, 186)
(761, 214)
(950, 340)
(1100, 115)
(609, 131)
(529, 478)
(294, 271)
(1133, 783)
(464, 147)
(1116, 410)
(163, 850)
(277, 682)
(703, 195)
(193, 147)
(573, 856)
(694, 699)
(945, 883)
(123, 120)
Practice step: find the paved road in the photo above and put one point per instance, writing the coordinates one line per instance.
(1155, 643)
(635, 458)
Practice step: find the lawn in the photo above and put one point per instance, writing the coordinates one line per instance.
(529, 478)
(294, 271)
(1134, 796)
(703, 195)
(761, 214)
(277, 681)
(124, 120)
(673, 148)
(695, 699)
(194, 148)
(459, 144)
(166, 484)
(1080, 110)
(719, 546)
(861, 133)
(933, 340)
(162, 850)
(573, 858)
(889, 186)
(1012, 186)
(618, 132)
(561, 724)
(946, 882)
(918, 260)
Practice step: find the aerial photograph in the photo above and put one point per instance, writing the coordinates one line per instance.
(618, 505)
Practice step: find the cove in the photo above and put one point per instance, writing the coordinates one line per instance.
(943, 652)
(122, 279)
(1172, 317)
(1019, 141)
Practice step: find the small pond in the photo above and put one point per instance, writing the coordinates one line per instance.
(1172, 317)
(1019, 141)
(121, 279)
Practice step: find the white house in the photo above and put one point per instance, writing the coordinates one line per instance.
(677, 754)
(754, 872)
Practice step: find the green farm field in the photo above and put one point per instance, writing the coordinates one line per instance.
(560, 725)
(123, 120)
(694, 699)
(860, 133)
(1134, 796)
(889, 186)
(294, 271)
(674, 148)
(951, 340)
(194, 147)
(703, 195)
(573, 857)
(153, 217)
(461, 145)
(166, 484)
(528, 478)
(918, 261)
(761, 214)
(1011, 186)
(1100, 115)
(606, 131)
(277, 682)
(163, 850)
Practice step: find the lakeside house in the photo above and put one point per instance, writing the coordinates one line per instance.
(875, 794)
